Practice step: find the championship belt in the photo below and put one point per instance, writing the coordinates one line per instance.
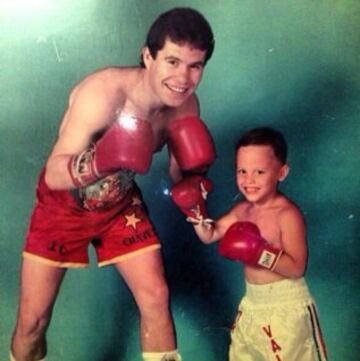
(105, 192)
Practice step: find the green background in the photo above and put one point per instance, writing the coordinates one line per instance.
(290, 64)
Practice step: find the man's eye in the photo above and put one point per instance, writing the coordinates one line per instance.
(197, 66)
(172, 62)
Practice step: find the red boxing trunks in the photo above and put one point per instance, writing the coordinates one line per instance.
(109, 214)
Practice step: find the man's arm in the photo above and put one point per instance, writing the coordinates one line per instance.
(88, 113)
(125, 140)
(191, 144)
(181, 134)
(175, 172)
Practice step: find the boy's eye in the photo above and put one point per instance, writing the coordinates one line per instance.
(241, 171)
(259, 171)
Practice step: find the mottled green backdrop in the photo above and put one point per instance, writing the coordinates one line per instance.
(290, 64)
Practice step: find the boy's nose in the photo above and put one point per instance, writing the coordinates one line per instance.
(250, 179)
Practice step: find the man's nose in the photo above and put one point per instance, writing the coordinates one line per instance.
(183, 72)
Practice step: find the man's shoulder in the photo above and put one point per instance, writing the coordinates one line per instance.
(107, 81)
(111, 75)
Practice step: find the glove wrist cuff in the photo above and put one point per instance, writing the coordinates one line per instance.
(269, 258)
(203, 222)
(82, 168)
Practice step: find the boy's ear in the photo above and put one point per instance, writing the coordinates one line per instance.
(284, 171)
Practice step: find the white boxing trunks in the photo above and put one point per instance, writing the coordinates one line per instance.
(277, 322)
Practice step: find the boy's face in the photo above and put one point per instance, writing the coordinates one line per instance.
(175, 73)
(258, 172)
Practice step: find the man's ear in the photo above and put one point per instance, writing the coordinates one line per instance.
(146, 56)
(283, 173)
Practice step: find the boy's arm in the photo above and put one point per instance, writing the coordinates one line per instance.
(243, 242)
(214, 231)
(293, 260)
(207, 234)
(190, 196)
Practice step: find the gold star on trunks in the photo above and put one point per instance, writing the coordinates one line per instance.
(132, 220)
(136, 201)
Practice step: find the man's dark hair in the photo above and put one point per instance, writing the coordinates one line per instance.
(266, 136)
(181, 25)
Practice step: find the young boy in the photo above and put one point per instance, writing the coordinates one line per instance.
(277, 317)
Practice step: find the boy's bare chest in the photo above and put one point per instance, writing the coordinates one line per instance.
(267, 221)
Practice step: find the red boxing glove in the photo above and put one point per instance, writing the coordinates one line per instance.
(190, 195)
(191, 143)
(243, 242)
(128, 143)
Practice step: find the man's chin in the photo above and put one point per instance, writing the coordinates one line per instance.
(176, 99)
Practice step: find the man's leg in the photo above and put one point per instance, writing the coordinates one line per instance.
(145, 277)
(40, 284)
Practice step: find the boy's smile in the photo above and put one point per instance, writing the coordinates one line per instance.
(258, 173)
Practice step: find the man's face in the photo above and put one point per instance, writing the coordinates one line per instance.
(175, 73)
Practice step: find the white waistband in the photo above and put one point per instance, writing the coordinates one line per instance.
(286, 290)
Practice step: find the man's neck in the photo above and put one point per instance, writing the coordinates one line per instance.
(141, 101)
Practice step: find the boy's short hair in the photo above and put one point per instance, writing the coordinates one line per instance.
(181, 25)
(266, 136)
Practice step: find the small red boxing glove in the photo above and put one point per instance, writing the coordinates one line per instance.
(128, 144)
(191, 143)
(243, 242)
(190, 195)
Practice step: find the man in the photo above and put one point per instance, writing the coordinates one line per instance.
(116, 119)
